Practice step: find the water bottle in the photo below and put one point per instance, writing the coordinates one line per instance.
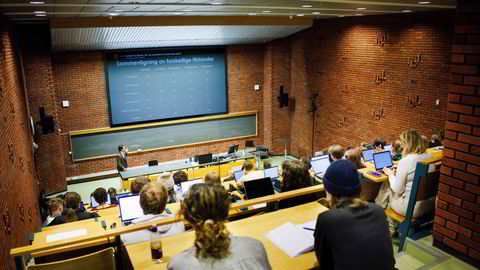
(156, 245)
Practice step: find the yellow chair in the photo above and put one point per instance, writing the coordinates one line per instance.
(101, 260)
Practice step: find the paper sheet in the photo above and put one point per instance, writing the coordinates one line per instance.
(260, 205)
(66, 235)
(291, 239)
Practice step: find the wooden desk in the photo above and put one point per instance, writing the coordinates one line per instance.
(255, 227)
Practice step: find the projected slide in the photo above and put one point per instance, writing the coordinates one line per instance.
(158, 85)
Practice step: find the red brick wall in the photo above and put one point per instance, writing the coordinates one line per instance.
(339, 59)
(18, 184)
(79, 77)
(457, 220)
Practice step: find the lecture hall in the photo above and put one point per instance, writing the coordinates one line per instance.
(240, 134)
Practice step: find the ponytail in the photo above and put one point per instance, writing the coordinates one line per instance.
(71, 215)
(212, 239)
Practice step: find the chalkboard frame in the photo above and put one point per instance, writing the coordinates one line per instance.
(158, 124)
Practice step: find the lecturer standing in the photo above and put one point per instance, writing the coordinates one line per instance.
(122, 156)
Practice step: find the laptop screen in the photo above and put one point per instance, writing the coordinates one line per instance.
(382, 160)
(130, 207)
(238, 174)
(271, 172)
(388, 147)
(318, 157)
(258, 188)
(320, 165)
(187, 184)
(95, 204)
(368, 155)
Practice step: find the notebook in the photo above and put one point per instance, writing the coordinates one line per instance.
(293, 239)
(368, 155)
(130, 207)
(382, 160)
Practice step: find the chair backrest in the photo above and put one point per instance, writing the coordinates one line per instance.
(262, 148)
(428, 186)
(249, 143)
(101, 260)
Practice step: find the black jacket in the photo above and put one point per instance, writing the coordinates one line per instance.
(81, 215)
(347, 238)
(122, 163)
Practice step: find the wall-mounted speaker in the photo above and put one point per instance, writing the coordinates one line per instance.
(282, 98)
(46, 121)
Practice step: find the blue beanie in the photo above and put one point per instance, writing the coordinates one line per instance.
(341, 179)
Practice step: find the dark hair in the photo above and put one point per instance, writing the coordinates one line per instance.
(71, 215)
(72, 200)
(138, 183)
(206, 208)
(100, 195)
(295, 175)
(179, 177)
(120, 147)
(379, 142)
(267, 165)
(113, 195)
(54, 204)
(306, 162)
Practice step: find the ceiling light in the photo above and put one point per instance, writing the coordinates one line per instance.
(307, 6)
(300, 15)
(266, 11)
(39, 12)
(315, 13)
(37, 3)
(358, 14)
(406, 11)
(177, 13)
(216, 3)
(341, 16)
(424, 2)
(40, 15)
(252, 14)
(113, 14)
(118, 10)
(361, 8)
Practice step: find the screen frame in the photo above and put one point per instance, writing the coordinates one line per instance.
(383, 153)
(140, 50)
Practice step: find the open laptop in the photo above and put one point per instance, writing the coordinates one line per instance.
(130, 208)
(318, 157)
(187, 184)
(238, 174)
(258, 188)
(95, 204)
(368, 155)
(273, 174)
(388, 147)
(382, 160)
(320, 165)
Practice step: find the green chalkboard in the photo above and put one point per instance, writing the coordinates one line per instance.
(96, 144)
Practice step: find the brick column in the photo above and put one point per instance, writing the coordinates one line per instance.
(457, 220)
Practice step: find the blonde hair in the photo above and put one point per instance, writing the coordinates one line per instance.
(397, 147)
(247, 165)
(425, 143)
(212, 178)
(336, 151)
(55, 204)
(411, 142)
(206, 208)
(354, 155)
(153, 198)
(352, 202)
(138, 183)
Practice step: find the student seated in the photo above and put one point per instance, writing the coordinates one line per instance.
(206, 208)
(100, 195)
(179, 177)
(335, 152)
(167, 180)
(153, 200)
(72, 202)
(397, 150)
(435, 141)
(355, 156)
(379, 145)
(353, 234)
(112, 192)
(425, 143)
(137, 184)
(395, 192)
(250, 173)
(306, 162)
(294, 176)
(55, 209)
(267, 165)
(212, 179)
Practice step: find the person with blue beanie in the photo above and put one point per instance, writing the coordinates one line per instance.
(353, 234)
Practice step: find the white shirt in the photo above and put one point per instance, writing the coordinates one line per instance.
(253, 175)
(144, 235)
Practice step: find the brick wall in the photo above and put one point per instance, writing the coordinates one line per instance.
(79, 77)
(457, 220)
(18, 184)
(339, 60)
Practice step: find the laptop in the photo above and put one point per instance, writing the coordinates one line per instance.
(273, 174)
(130, 208)
(320, 165)
(258, 188)
(368, 155)
(238, 174)
(388, 147)
(95, 204)
(187, 184)
(206, 158)
(382, 160)
(318, 157)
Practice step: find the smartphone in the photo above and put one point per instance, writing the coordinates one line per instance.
(374, 173)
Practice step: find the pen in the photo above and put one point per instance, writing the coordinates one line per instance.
(310, 229)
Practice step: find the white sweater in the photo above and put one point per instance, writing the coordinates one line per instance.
(401, 183)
